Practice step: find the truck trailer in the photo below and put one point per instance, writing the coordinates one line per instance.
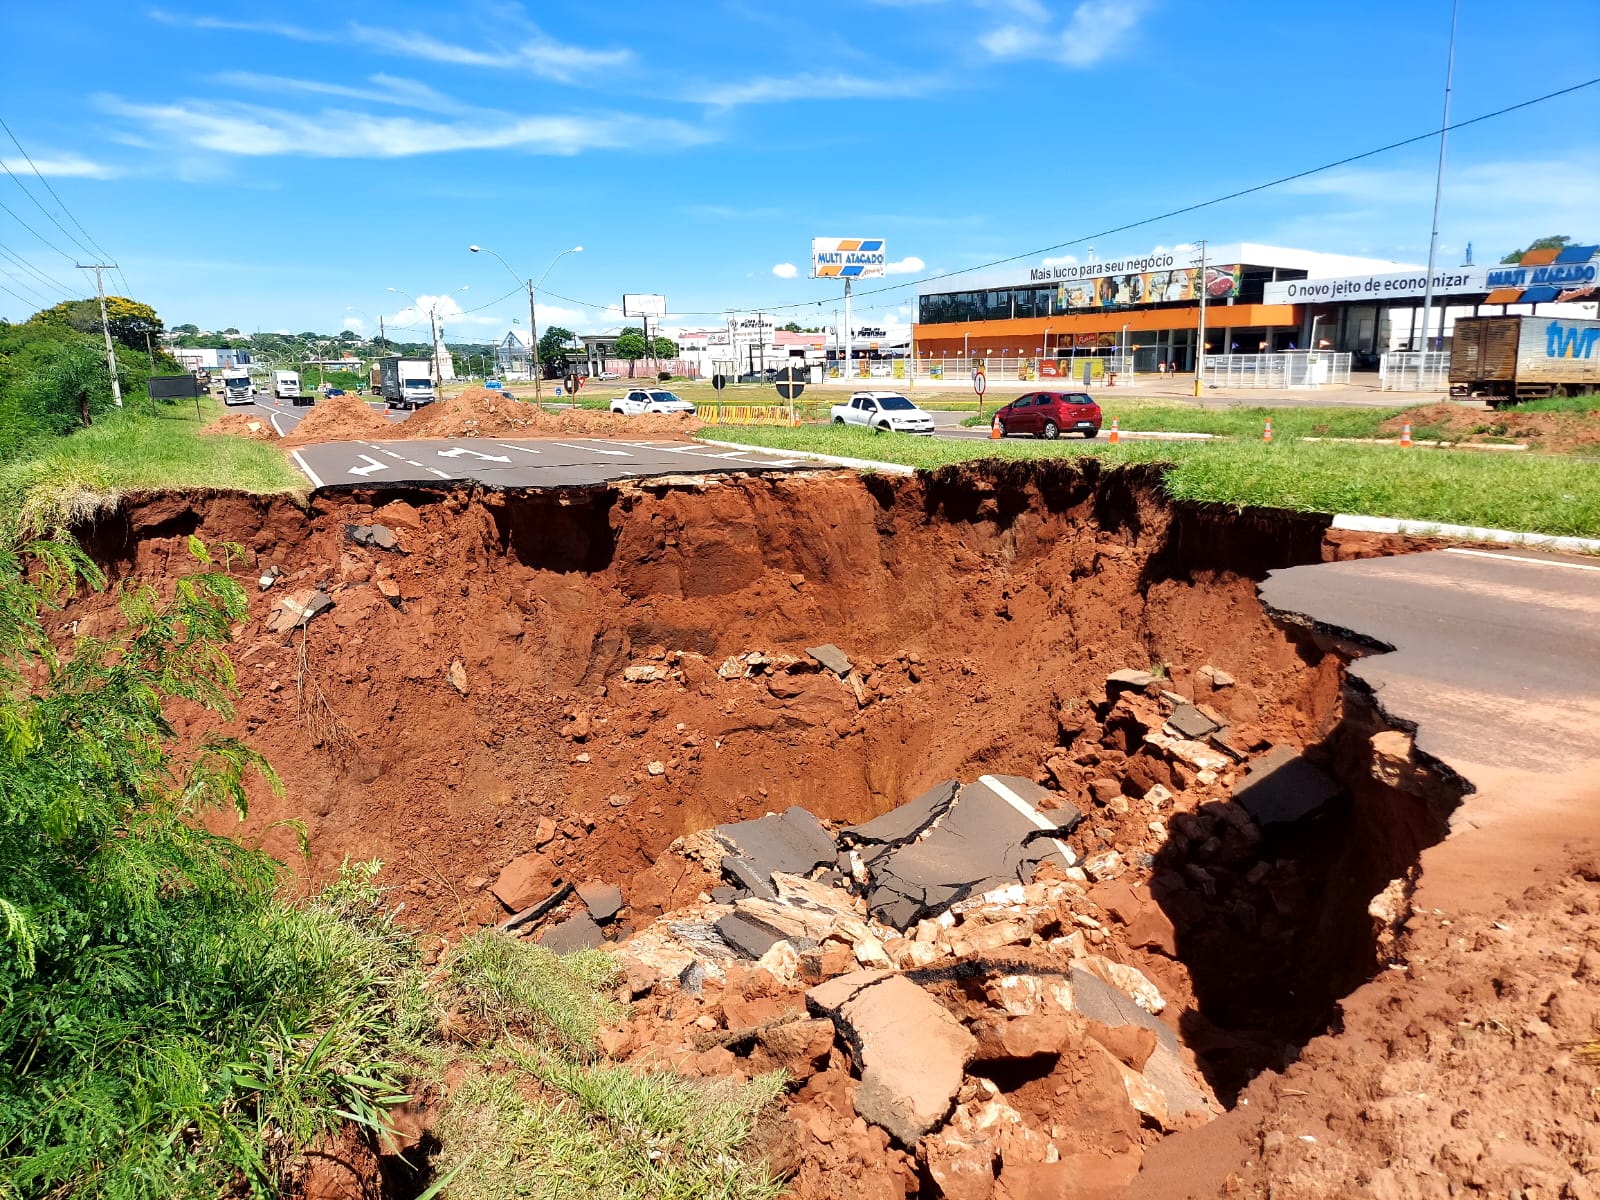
(405, 382)
(1506, 359)
(286, 385)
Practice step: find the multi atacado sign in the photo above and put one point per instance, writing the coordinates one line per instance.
(848, 258)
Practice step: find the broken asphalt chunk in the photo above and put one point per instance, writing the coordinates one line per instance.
(903, 825)
(1282, 787)
(574, 934)
(379, 536)
(298, 609)
(793, 842)
(750, 937)
(1187, 721)
(1126, 680)
(831, 657)
(603, 900)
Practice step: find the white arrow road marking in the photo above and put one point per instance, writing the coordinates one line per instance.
(439, 473)
(373, 465)
(524, 449)
(596, 450)
(458, 451)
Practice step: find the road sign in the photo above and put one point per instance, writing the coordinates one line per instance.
(791, 382)
(980, 382)
(719, 382)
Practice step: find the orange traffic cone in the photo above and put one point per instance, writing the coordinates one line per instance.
(1116, 434)
(1405, 435)
(1266, 434)
(994, 430)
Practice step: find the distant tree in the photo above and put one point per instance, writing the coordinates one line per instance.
(1558, 241)
(128, 320)
(555, 344)
(349, 335)
(68, 389)
(186, 329)
(230, 331)
(792, 327)
(664, 347)
(630, 344)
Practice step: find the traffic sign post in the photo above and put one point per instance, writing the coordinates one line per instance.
(980, 384)
(719, 381)
(791, 383)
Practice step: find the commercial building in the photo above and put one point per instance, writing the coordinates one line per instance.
(1258, 299)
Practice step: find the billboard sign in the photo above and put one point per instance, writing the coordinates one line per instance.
(848, 258)
(643, 304)
(1150, 287)
(1395, 286)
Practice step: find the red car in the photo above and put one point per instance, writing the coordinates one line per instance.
(1050, 414)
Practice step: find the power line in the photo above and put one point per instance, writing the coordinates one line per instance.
(8, 291)
(26, 286)
(98, 249)
(34, 271)
(35, 232)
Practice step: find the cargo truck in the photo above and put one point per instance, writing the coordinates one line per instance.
(1506, 359)
(286, 386)
(405, 382)
(236, 386)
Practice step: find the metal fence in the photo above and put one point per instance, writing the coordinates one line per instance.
(957, 369)
(1284, 369)
(1414, 371)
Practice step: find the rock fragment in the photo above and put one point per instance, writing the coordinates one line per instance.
(1282, 787)
(831, 657)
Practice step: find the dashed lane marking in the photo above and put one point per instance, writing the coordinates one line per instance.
(596, 450)
(524, 449)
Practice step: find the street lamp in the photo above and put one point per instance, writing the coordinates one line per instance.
(533, 311)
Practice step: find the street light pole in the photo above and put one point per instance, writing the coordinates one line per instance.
(533, 312)
(1438, 189)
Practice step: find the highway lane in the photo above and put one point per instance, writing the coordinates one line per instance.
(523, 462)
(1495, 653)
(285, 414)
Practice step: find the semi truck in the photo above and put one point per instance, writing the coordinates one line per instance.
(286, 385)
(236, 386)
(405, 382)
(1506, 359)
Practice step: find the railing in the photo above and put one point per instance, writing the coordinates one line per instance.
(951, 370)
(1414, 371)
(1285, 369)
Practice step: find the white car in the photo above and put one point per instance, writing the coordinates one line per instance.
(884, 412)
(650, 400)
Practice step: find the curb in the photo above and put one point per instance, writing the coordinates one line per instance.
(859, 464)
(1471, 533)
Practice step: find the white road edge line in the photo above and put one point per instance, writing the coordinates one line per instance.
(441, 474)
(524, 449)
(1521, 558)
(304, 466)
(275, 425)
(859, 464)
(1028, 811)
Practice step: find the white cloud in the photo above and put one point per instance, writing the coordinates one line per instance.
(258, 131)
(355, 324)
(64, 166)
(532, 49)
(384, 89)
(1095, 30)
(447, 309)
(785, 270)
(909, 265)
(771, 89)
(1061, 260)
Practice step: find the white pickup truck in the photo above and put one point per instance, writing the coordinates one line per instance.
(883, 412)
(649, 400)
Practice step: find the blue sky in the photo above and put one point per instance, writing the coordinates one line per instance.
(282, 165)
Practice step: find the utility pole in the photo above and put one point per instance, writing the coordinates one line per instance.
(105, 325)
(1200, 337)
(847, 335)
(1438, 188)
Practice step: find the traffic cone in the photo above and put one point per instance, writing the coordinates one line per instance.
(994, 430)
(1266, 434)
(1405, 435)
(1116, 434)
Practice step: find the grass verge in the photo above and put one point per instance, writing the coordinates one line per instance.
(68, 479)
(1533, 493)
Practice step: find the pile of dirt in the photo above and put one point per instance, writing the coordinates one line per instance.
(1552, 432)
(339, 419)
(240, 425)
(484, 412)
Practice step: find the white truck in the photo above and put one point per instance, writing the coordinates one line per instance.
(883, 412)
(650, 400)
(286, 385)
(405, 382)
(236, 386)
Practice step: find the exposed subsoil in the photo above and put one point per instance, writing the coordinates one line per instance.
(240, 425)
(475, 412)
(463, 705)
(1552, 432)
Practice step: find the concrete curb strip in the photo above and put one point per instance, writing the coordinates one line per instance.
(1533, 541)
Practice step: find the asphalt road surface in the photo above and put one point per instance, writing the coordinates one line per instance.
(1496, 654)
(523, 462)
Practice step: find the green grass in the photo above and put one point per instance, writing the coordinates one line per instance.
(1588, 402)
(63, 480)
(1533, 493)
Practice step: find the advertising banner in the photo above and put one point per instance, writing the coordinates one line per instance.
(1150, 287)
(1455, 281)
(637, 304)
(848, 258)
